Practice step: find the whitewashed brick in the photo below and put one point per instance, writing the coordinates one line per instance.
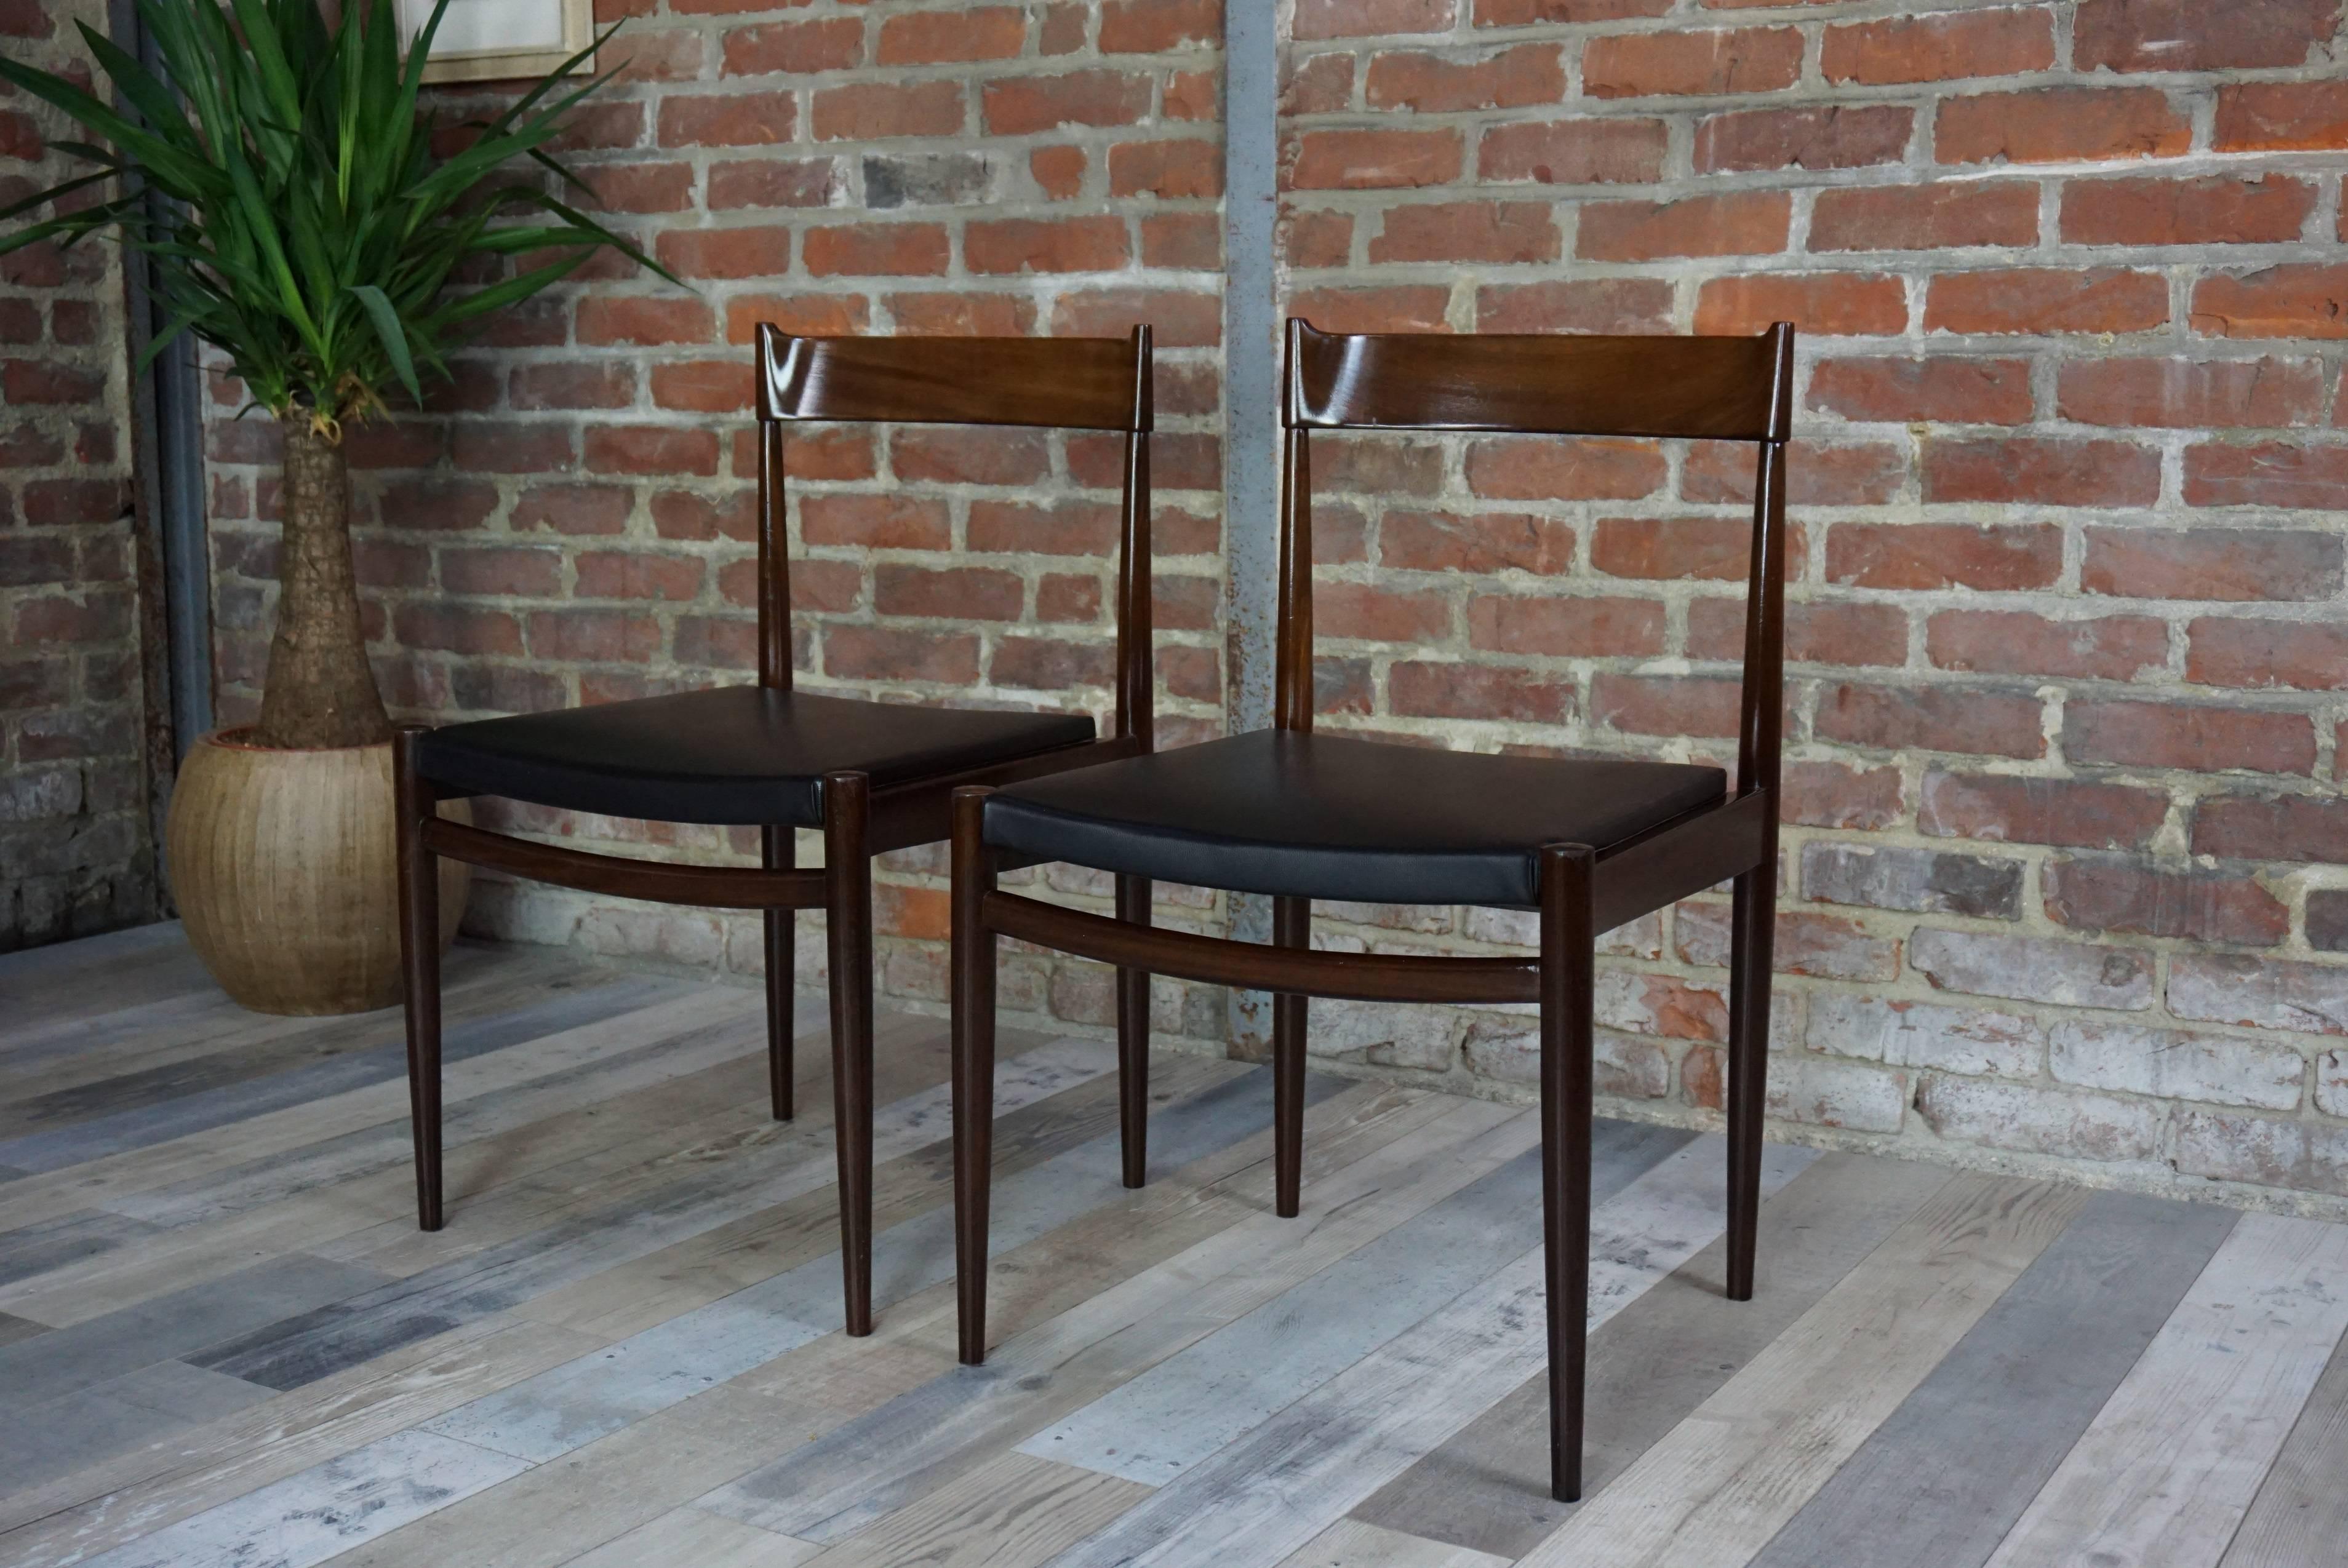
(1505, 1049)
(2331, 1083)
(2030, 968)
(2041, 1120)
(2265, 1150)
(2175, 1065)
(1828, 1092)
(2264, 993)
(1805, 943)
(1380, 1034)
(1927, 1034)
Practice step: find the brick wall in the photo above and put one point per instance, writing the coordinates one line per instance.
(2066, 874)
(573, 521)
(76, 852)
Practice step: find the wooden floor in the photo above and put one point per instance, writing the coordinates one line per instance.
(223, 1342)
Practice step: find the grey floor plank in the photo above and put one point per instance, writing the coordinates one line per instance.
(84, 1428)
(35, 1250)
(202, 1109)
(2301, 1514)
(1946, 1476)
(1487, 1489)
(1181, 1411)
(185, 1322)
(13, 1328)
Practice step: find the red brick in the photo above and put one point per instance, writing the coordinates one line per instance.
(499, 446)
(2300, 299)
(2046, 300)
(1740, 223)
(1061, 529)
(1180, 318)
(1183, 242)
(1477, 542)
(1377, 466)
(2021, 642)
(799, 47)
(2054, 125)
(1047, 664)
(972, 593)
(1191, 95)
(1069, 598)
(2211, 564)
(1495, 231)
(1611, 152)
(1822, 305)
(1839, 136)
(1942, 390)
(2175, 394)
(1925, 217)
(883, 653)
(2249, 655)
(1045, 245)
(25, 381)
(866, 111)
(703, 385)
(1944, 554)
(1155, 27)
(2116, 895)
(683, 515)
(643, 320)
(453, 629)
(1441, 83)
(650, 449)
(573, 508)
(1022, 106)
(2001, 808)
(1940, 47)
(642, 187)
(2050, 471)
(867, 250)
(1170, 171)
(1673, 549)
(1665, 705)
(1315, 84)
(1431, 691)
(2186, 36)
(1059, 170)
(773, 182)
(2293, 828)
(875, 522)
(820, 315)
(2271, 474)
(1529, 13)
(1816, 632)
(964, 315)
(1834, 795)
(1728, 60)
(2281, 117)
(1361, 18)
(631, 574)
(1404, 308)
(743, 120)
(752, 253)
(1357, 610)
(1829, 473)
(1543, 468)
(1373, 159)
(1566, 628)
(2189, 737)
(1932, 718)
(2217, 210)
(932, 38)
(599, 384)
(957, 454)
(1578, 305)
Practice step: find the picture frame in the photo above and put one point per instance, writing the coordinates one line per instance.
(498, 40)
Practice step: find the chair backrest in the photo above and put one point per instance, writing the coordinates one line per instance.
(1075, 384)
(1711, 389)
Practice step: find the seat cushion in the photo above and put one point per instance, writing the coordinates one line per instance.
(738, 755)
(1333, 816)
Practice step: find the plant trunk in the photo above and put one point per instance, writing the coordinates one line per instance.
(319, 689)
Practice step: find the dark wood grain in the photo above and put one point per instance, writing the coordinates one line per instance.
(1076, 383)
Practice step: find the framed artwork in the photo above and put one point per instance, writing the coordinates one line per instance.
(492, 40)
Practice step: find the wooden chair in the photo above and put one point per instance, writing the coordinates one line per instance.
(874, 776)
(1297, 816)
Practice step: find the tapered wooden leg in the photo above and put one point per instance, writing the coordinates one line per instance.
(1569, 941)
(974, 1067)
(1133, 1039)
(778, 849)
(848, 922)
(419, 957)
(1292, 926)
(1752, 921)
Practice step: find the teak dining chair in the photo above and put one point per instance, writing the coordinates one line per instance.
(874, 776)
(1299, 815)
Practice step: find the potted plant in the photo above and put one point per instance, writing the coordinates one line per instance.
(308, 232)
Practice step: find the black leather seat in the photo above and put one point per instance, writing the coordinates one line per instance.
(1333, 816)
(737, 755)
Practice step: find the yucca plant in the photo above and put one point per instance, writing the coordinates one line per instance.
(309, 232)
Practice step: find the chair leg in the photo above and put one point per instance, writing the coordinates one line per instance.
(847, 924)
(419, 957)
(778, 849)
(1292, 926)
(973, 1068)
(1133, 1039)
(1567, 981)
(1751, 926)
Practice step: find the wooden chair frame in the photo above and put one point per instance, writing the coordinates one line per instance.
(1735, 389)
(1059, 382)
